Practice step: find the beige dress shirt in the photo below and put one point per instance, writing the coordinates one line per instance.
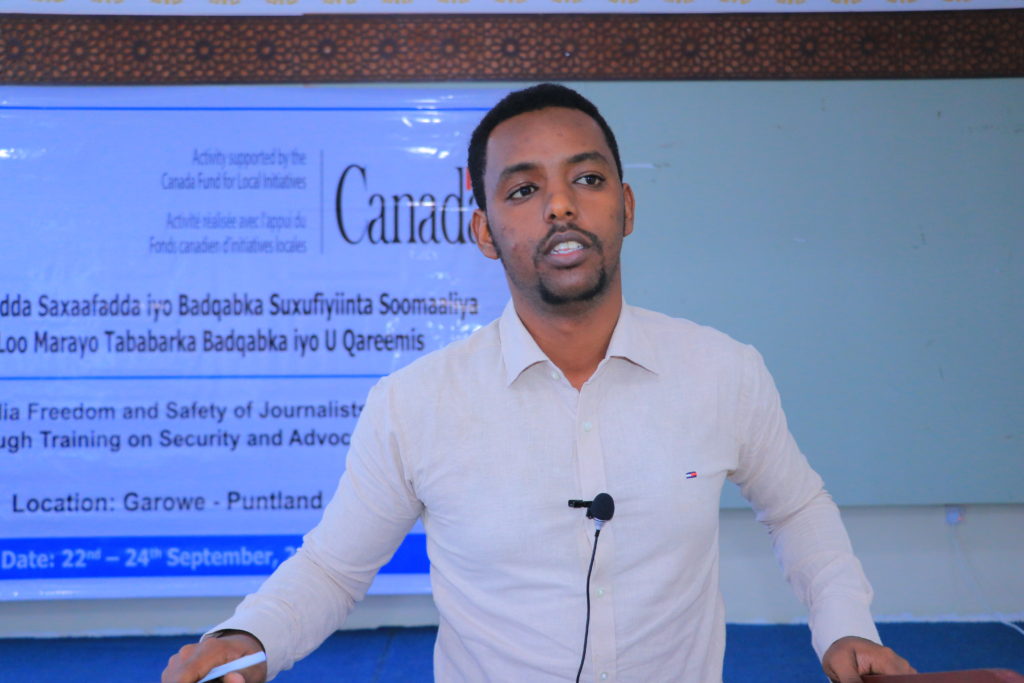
(487, 441)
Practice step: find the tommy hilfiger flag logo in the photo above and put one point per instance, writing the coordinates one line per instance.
(691, 475)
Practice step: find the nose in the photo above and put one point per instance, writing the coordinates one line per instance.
(561, 204)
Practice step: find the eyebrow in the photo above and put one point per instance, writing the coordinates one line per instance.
(571, 161)
(588, 156)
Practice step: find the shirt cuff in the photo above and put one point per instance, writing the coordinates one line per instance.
(276, 661)
(838, 618)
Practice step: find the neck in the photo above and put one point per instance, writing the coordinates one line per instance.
(575, 336)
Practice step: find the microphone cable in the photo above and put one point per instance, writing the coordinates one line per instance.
(601, 510)
(586, 629)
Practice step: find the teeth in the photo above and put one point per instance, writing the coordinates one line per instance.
(566, 247)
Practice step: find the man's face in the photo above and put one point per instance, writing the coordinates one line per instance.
(556, 209)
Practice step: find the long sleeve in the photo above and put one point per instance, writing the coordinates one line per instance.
(489, 424)
(808, 537)
(309, 596)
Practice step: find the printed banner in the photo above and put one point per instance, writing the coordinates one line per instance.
(450, 7)
(199, 287)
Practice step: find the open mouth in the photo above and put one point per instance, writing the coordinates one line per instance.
(567, 247)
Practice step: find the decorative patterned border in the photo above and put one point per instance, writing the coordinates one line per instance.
(360, 48)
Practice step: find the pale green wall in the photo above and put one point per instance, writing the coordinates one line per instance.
(867, 238)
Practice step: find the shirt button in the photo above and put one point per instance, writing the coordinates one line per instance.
(600, 592)
(587, 426)
(604, 675)
(554, 375)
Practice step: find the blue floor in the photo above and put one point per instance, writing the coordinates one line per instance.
(755, 654)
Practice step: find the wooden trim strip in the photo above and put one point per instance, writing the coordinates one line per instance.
(60, 49)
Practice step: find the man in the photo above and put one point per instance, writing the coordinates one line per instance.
(568, 394)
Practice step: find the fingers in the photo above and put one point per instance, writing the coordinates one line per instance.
(848, 678)
(186, 666)
(848, 658)
(878, 659)
(195, 660)
(886, 661)
(173, 671)
(843, 668)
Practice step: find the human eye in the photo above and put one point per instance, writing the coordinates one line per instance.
(592, 179)
(522, 191)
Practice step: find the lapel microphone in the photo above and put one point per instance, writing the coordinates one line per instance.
(601, 510)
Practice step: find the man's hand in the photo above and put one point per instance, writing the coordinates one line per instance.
(850, 657)
(197, 659)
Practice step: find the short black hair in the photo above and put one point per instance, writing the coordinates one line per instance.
(519, 102)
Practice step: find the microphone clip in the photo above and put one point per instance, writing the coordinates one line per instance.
(600, 509)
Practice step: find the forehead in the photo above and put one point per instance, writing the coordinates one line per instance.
(544, 136)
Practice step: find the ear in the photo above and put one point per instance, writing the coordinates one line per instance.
(630, 208)
(482, 234)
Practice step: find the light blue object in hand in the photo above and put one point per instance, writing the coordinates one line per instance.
(236, 665)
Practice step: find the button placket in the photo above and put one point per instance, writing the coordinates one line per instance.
(588, 445)
(593, 481)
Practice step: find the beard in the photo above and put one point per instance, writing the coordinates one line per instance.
(600, 284)
(550, 296)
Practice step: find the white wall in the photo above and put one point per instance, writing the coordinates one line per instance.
(910, 554)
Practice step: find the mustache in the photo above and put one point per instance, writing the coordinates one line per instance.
(558, 228)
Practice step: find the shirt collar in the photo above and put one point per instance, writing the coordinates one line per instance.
(519, 350)
(630, 341)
